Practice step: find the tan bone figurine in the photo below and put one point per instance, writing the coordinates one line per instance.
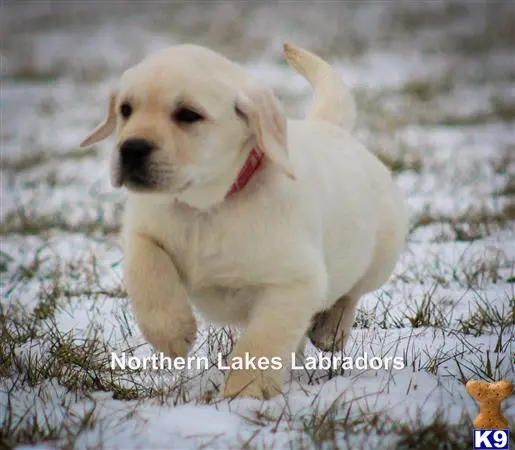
(490, 396)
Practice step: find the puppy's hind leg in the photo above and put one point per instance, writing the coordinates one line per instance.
(159, 301)
(330, 329)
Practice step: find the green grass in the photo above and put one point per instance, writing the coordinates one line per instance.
(471, 225)
(41, 224)
(501, 110)
(38, 158)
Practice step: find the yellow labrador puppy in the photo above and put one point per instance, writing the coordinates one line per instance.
(277, 226)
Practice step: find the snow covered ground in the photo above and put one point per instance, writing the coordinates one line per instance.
(435, 86)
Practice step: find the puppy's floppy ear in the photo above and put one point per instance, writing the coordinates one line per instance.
(267, 122)
(106, 127)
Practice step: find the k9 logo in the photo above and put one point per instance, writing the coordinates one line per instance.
(494, 439)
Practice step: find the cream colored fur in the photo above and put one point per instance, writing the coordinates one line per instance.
(319, 224)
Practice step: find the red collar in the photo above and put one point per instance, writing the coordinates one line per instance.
(250, 166)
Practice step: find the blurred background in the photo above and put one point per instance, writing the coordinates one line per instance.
(87, 40)
(434, 83)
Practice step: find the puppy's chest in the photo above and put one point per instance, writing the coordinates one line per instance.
(208, 254)
(217, 269)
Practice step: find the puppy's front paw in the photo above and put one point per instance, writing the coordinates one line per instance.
(172, 341)
(259, 384)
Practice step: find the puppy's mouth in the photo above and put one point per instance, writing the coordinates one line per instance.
(131, 178)
(138, 180)
(142, 175)
(142, 181)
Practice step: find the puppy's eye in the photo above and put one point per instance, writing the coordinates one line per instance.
(185, 115)
(125, 110)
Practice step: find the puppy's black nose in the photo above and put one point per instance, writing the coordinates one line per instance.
(140, 147)
(134, 152)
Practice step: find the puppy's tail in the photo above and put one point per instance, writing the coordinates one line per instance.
(332, 101)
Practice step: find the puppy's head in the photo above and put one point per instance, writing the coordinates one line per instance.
(185, 120)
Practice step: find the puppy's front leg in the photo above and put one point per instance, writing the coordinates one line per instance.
(278, 323)
(160, 302)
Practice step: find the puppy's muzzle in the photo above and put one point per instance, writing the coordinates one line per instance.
(134, 156)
